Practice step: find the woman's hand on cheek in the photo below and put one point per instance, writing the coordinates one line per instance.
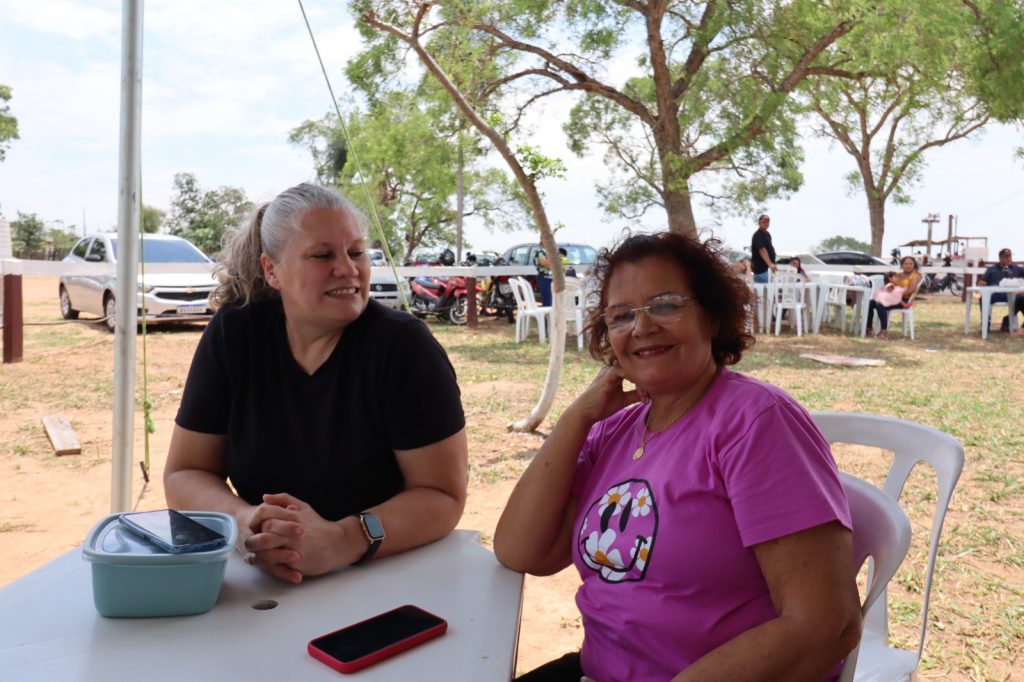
(606, 395)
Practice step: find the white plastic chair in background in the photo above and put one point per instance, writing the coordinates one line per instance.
(907, 314)
(910, 443)
(881, 532)
(575, 298)
(789, 295)
(527, 309)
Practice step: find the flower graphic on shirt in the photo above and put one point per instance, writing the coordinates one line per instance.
(617, 496)
(641, 503)
(599, 553)
(617, 533)
(641, 552)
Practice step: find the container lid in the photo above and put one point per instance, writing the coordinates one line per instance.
(110, 543)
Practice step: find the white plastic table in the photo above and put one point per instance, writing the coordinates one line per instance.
(51, 630)
(862, 296)
(986, 306)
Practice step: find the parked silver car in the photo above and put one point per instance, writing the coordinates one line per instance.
(165, 296)
(384, 286)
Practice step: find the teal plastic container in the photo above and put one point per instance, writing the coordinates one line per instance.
(132, 578)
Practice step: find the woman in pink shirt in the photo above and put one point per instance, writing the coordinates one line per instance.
(702, 508)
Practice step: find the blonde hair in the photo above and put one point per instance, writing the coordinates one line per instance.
(268, 230)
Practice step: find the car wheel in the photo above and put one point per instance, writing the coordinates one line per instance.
(110, 311)
(66, 311)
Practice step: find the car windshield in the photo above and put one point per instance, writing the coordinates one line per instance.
(168, 251)
(581, 255)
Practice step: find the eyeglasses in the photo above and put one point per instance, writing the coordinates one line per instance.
(662, 309)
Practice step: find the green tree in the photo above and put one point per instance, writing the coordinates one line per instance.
(8, 123)
(61, 238)
(28, 236)
(840, 243)
(714, 78)
(204, 216)
(466, 65)
(913, 96)
(152, 217)
(409, 159)
(994, 64)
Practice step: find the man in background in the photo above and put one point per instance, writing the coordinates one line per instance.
(762, 253)
(995, 274)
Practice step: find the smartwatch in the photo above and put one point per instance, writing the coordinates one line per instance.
(374, 532)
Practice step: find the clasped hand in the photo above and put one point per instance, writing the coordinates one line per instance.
(286, 538)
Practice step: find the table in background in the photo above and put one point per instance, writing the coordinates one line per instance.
(862, 298)
(52, 631)
(986, 306)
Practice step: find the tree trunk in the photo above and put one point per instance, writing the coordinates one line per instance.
(680, 210)
(529, 187)
(876, 209)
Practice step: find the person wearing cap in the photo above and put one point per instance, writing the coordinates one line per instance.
(995, 274)
(762, 253)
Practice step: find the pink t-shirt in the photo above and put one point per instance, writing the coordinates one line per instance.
(663, 543)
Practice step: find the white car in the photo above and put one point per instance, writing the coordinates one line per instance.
(165, 296)
(384, 286)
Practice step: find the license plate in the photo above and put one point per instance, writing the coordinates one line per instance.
(504, 287)
(191, 309)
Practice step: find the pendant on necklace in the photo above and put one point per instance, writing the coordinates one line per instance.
(639, 453)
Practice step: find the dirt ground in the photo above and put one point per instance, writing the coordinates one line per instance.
(48, 504)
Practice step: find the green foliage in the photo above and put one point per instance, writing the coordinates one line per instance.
(28, 235)
(909, 94)
(994, 68)
(706, 114)
(151, 219)
(408, 147)
(61, 238)
(840, 243)
(8, 123)
(204, 216)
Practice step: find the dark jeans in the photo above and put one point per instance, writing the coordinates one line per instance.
(544, 285)
(883, 313)
(1000, 297)
(565, 669)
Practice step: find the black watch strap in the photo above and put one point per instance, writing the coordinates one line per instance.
(374, 532)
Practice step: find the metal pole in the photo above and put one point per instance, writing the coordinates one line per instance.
(129, 173)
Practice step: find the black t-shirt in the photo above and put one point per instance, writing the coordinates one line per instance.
(327, 438)
(760, 240)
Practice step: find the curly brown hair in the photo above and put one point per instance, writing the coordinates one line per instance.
(723, 296)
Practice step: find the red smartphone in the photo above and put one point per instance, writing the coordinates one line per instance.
(374, 639)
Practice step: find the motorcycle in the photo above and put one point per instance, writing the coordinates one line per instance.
(441, 296)
(496, 298)
(935, 284)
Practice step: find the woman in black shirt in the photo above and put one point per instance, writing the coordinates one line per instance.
(336, 421)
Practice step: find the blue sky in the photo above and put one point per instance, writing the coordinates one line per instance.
(225, 81)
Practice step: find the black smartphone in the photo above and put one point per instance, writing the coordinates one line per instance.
(172, 531)
(374, 639)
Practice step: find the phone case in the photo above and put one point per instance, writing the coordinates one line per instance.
(380, 654)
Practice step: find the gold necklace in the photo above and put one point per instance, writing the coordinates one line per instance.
(639, 452)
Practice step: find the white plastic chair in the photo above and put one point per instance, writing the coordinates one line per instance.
(910, 443)
(527, 309)
(575, 297)
(907, 314)
(789, 295)
(881, 532)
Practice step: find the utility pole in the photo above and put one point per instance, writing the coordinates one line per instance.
(930, 219)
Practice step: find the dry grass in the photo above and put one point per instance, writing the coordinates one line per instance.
(965, 386)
